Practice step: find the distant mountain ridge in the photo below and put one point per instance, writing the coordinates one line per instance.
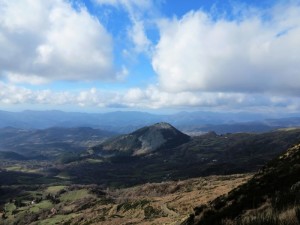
(144, 140)
(128, 121)
(11, 156)
(161, 152)
(51, 141)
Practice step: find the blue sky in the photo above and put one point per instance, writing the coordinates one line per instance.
(150, 55)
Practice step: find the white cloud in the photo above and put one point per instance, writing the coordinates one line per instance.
(26, 78)
(51, 40)
(154, 98)
(134, 95)
(130, 5)
(246, 63)
(139, 38)
(148, 98)
(137, 11)
(248, 54)
(10, 95)
(122, 74)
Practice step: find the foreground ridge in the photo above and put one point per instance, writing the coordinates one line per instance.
(274, 190)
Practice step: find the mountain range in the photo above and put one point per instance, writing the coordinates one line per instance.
(89, 187)
(48, 143)
(161, 152)
(128, 121)
(150, 154)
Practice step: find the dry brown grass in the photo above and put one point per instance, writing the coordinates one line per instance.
(285, 217)
(166, 203)
(171, 201)
(289, 216)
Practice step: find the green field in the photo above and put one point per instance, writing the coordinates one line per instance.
(57, 219)
(54, 189)
(75, 195)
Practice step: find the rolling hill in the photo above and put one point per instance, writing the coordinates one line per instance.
(48, 143)
(11, 156)
(151, 154)
(116, 162)
(93, 181)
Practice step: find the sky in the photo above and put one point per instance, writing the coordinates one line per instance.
(150, 55)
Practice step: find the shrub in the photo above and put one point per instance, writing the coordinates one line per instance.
(297, 210)
(151, 212)
(260, 219)
(284, 200)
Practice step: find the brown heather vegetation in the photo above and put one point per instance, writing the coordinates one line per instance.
(149, 204)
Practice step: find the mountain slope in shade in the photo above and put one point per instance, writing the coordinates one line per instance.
(274, 189)
(49, 143)
(11, 156)
(145, 140)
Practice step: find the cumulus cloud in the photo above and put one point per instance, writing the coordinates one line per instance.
(250, 61)
(50, 40)
(153, 97)
(257, 51)
(148, 98)
(25, 78)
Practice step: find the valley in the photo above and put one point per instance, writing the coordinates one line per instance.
(50, 143)
(165, 154)
(154, 175)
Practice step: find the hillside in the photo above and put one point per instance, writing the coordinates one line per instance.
(58, 155)
(11, 156)
(269, 197)
(209, 154)
(151, 203)
(272, 196)
(143, 141)
(51, 142)
(103, 186)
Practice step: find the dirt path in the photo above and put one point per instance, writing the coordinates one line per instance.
(168, 211)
